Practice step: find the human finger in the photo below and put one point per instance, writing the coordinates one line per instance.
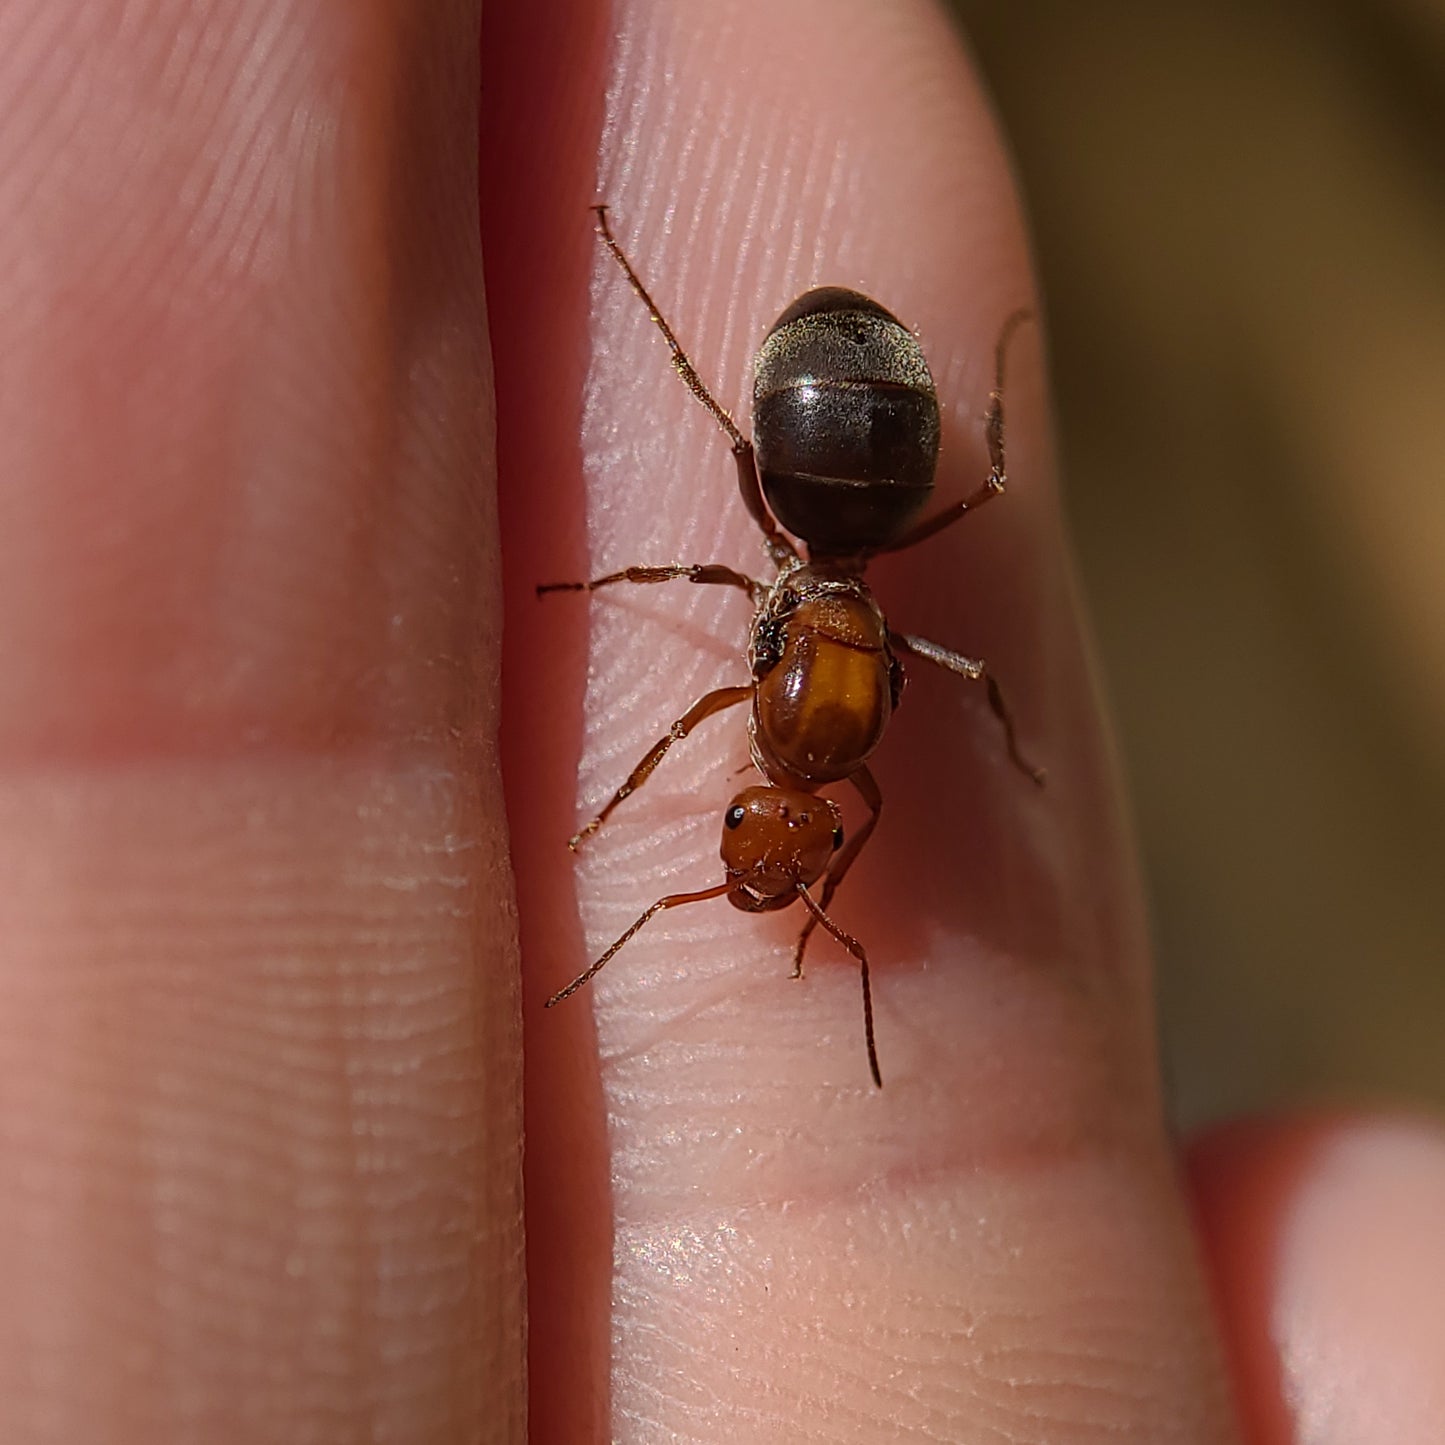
(259, 1055)
(1324, 1240)
(729, 1222)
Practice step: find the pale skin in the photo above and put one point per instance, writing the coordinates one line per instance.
(261, 1004)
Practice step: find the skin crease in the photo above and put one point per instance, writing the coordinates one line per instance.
(260, 1035)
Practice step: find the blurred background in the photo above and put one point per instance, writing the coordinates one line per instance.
(1239, 211)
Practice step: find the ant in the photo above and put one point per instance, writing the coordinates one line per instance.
(846, 420)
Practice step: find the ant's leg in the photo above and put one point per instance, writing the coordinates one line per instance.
(671, 901)
(780, 549)
(993, 431)
(704, 707)
(869, 791)
(778, 545)
(856, 949)
(706, 573)
(976, 670)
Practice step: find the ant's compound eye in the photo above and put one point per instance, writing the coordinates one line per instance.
(735, 815)
(837, 839)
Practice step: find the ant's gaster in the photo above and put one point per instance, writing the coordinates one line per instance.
(846, 421)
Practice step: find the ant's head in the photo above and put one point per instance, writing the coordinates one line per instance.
(774, 839)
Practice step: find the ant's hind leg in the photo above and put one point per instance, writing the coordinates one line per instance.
(708, 573)
(708, 704)
(869, 791)
(779, 548)
(993, 418)
(975, 670)
(993, 435)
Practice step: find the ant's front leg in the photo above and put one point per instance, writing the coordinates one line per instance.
(820, 915)
(976, 670)
(708, 704)
(872, 796)
(671, 901)
(706, 573)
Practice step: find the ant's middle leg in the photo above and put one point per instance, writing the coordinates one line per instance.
(872, 796)
(975, 670)
(707, 573)
(708, 704)
(779, 548)
(993, 433)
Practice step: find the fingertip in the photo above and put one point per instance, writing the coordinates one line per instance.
(1328, 1260)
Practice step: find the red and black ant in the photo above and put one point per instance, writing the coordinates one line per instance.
(846, 421)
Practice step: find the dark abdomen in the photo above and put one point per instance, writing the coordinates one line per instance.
(845, 422)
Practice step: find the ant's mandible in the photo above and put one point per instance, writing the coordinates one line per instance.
(846, 421)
